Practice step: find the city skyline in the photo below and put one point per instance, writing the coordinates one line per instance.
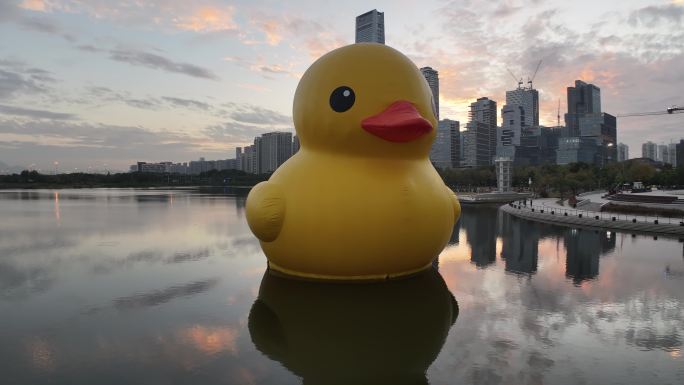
(108, 84)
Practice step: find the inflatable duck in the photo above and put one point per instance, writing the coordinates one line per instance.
(330, 333)
(360, 199)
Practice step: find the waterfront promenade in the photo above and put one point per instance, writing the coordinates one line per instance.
(548, 210)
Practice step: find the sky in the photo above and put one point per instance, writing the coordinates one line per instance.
(99, 85)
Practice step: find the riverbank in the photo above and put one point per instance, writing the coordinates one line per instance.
(548, 211)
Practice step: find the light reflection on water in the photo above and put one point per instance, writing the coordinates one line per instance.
(146, 286)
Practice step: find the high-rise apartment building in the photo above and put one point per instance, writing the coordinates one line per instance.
(480, 137)
(432, 78)
(622, 152)
(672, 150)
(649, 150)
(663, 154)
(370, 27)
(445, 151)
(273, 149)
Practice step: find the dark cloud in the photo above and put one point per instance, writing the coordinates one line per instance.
(235, 132)
(188, 103)
(36, 114)
(656, 15)
(259, 65)
(505, 10)
(12, 83)
(99, 95)
(89, 48)
(46, 26)
(104, 94)
(144, 104)
(93, 135)
(159, 62)
(18, 79)
(258, 115)
(75, 142)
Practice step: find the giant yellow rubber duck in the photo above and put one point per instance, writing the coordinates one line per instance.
(360, 200)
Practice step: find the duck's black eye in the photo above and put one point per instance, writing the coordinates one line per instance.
(342, 99)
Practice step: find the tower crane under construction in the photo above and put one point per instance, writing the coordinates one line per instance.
(529, 79)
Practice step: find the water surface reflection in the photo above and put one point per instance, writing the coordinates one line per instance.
(168, 286)
(381, 333)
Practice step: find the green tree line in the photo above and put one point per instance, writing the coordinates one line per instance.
(569, 179)
(547, 180)
(34, 179)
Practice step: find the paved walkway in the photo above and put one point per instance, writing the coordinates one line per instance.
(548, 210)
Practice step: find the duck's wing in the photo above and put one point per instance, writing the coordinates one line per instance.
(266, 210)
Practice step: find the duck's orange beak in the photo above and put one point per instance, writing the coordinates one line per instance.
(400, 122)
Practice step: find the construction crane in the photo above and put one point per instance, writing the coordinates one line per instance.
(669, 110)
(519, 81)
(530, 80)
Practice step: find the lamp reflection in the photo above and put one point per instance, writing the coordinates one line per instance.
(57, 212)
(330, 333)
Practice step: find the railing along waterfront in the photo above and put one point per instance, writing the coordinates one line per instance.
(597, 215)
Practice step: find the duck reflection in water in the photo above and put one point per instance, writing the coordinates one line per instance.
(335, 333)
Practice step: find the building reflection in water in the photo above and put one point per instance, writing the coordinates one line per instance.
(480, 232)
(334, 333)
(520, 243)
(584, 247)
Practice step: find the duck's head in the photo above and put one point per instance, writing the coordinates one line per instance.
(366, 99)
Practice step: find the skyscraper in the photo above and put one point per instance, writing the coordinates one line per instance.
(649, 150)
(370, 27)
(622, 152)
(432, 78)
(583, 99)
(480, 137)
(585, 121)
(445, 152)
(521, 112)
(528, 99)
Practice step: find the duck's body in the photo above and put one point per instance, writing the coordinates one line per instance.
(359, 206)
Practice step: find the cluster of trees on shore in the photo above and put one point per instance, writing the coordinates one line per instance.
(547, 180)
(569, 179)
(33, 179)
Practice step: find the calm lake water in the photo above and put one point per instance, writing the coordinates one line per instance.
(151, 286)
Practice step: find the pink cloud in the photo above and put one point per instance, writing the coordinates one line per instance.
(207, 19)
(33, 5)
(202, 16)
